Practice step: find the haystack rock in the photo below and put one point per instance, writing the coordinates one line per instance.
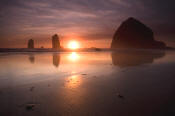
(55, 42)
(134, 34)
(30, 44)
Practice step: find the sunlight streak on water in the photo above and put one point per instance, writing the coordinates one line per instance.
(73, 56)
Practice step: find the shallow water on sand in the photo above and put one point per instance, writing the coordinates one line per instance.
(139, 83)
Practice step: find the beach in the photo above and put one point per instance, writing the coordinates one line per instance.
(106, 83)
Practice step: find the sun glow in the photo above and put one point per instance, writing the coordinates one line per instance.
(73, 45)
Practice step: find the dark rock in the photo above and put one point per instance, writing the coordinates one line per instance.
(55, 42)
(98, 49)
(134, 34)
(30, 106)
(32, 88)
(30, 44)
(120, 96)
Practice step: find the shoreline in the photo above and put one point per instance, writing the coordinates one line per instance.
(2, 50)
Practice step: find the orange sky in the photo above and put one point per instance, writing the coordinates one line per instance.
(92, 23)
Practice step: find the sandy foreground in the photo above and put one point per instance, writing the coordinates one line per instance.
(87, 83)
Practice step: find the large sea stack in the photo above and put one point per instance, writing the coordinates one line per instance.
(134, 34)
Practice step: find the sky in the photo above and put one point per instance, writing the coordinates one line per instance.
(90, 22)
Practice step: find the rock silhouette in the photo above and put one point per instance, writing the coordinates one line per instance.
(55, 42)
(30, 44)
(134, 34)
(135, 58)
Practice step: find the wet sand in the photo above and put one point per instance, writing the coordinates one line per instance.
(88, 83)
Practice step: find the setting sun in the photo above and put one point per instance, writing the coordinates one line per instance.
(73, 45)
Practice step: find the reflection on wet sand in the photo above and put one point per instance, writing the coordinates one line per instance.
(56, 59)
(32, 58)
(87, 85)
(134, 58)
(73, 95)
(73, 81)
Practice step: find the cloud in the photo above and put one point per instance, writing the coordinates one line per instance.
(90, 19)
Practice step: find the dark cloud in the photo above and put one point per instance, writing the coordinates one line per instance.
(90, 19)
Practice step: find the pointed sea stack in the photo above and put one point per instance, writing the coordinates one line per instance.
(134, 34)
(55, 42)
(30, 44)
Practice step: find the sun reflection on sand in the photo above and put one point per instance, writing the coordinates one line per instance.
(73, 56)
(73, 93)
(73, 81)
